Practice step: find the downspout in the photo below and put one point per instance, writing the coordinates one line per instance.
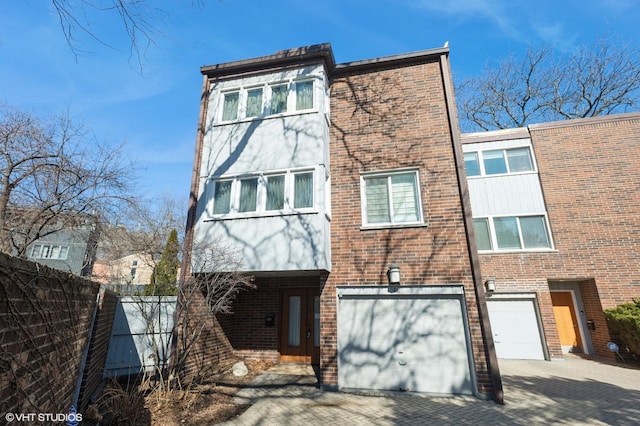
(185, 268)
(465, 201)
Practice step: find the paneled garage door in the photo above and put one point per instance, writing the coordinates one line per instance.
(407, 338)
(514, 324)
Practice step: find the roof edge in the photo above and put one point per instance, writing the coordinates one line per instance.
(400, 59)
(585, 121)
(495, 135)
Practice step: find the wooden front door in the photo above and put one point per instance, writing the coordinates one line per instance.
(566, 321)
(300, 326)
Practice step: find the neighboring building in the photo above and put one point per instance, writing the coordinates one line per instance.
(72, 249)
(134, 269)
(556, 209)
(324, 178)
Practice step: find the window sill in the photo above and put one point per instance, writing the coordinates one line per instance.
(266, 117)
(528, 172)
(523, 251)
(392, 226)
(261, 215)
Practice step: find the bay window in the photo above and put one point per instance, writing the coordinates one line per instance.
(284, 192)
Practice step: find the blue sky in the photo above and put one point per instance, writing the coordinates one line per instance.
(154, 113)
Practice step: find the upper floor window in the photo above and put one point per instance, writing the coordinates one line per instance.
(512, 233)
(498, 161)
(277, 98)
(285, 191)
(47, 251)
(391, 198)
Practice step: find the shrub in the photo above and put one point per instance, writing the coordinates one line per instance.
(624, 321)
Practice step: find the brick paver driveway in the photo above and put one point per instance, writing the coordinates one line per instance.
(571, 392)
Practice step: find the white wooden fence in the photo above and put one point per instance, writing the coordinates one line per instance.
(141, 325)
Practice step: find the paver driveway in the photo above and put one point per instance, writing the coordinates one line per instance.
(571, 392)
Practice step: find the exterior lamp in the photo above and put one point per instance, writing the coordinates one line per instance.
(393, 274)
(490, 283)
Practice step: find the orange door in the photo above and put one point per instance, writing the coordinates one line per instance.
(566, 321)
(300, 327)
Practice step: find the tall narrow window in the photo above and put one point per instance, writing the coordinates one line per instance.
(377, 200)
(222, 197)
(405, 198)
(230, 106)
(279, 98)
(483, 236)
(275, 192)
(471, 163)
(303, 190)
(304, 95)
(248, 195)
(254, 103)
(294, 320)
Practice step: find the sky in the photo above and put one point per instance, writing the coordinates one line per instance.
(152, 106)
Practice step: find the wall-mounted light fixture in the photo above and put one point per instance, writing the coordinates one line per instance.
(490, 284)
(393, 274)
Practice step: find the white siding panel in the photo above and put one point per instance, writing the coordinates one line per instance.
(506, 195)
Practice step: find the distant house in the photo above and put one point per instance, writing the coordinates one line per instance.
(134, 269)
(71, 249)
(556, 211)
(337, 185)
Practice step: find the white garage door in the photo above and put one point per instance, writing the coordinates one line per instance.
(515, 328)
(410, 339)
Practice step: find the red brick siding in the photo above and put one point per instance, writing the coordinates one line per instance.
(45, 316)
(389, 119)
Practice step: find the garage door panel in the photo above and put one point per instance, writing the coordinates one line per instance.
(515, 328)
(416, 344)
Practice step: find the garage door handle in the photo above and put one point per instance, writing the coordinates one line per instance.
(402, 362)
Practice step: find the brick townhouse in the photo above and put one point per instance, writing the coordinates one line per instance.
(341, 188)
(556, 210)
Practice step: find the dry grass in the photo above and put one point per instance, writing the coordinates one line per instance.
(210, 402)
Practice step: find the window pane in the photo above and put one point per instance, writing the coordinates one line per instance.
(275, 192)
(55, 252)
(254, 102)
(377, 200)
(294, 321)
(222, 197)
(248, 195)
(404, 197)
(64, 251)
(507, 233)
(230, 107)
(35, 251)
(303, 190)
(494, 162)
(471, 163)
(46, 251)
(534, 232)
(304, 95)
(519, 160)
(279, 99)
(483, 238)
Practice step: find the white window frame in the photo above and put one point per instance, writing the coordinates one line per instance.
(391, 223)
(493, 238)
(483, 173)
(265, 111)
(46, 250)
(261, 196)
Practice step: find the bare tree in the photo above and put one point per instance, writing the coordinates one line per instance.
(54, 174)
(546, 85)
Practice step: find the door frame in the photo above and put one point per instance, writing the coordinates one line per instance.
(308, 353)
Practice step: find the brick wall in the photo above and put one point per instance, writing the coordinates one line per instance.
(98, 348)
(45, 316)
(386, 119)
